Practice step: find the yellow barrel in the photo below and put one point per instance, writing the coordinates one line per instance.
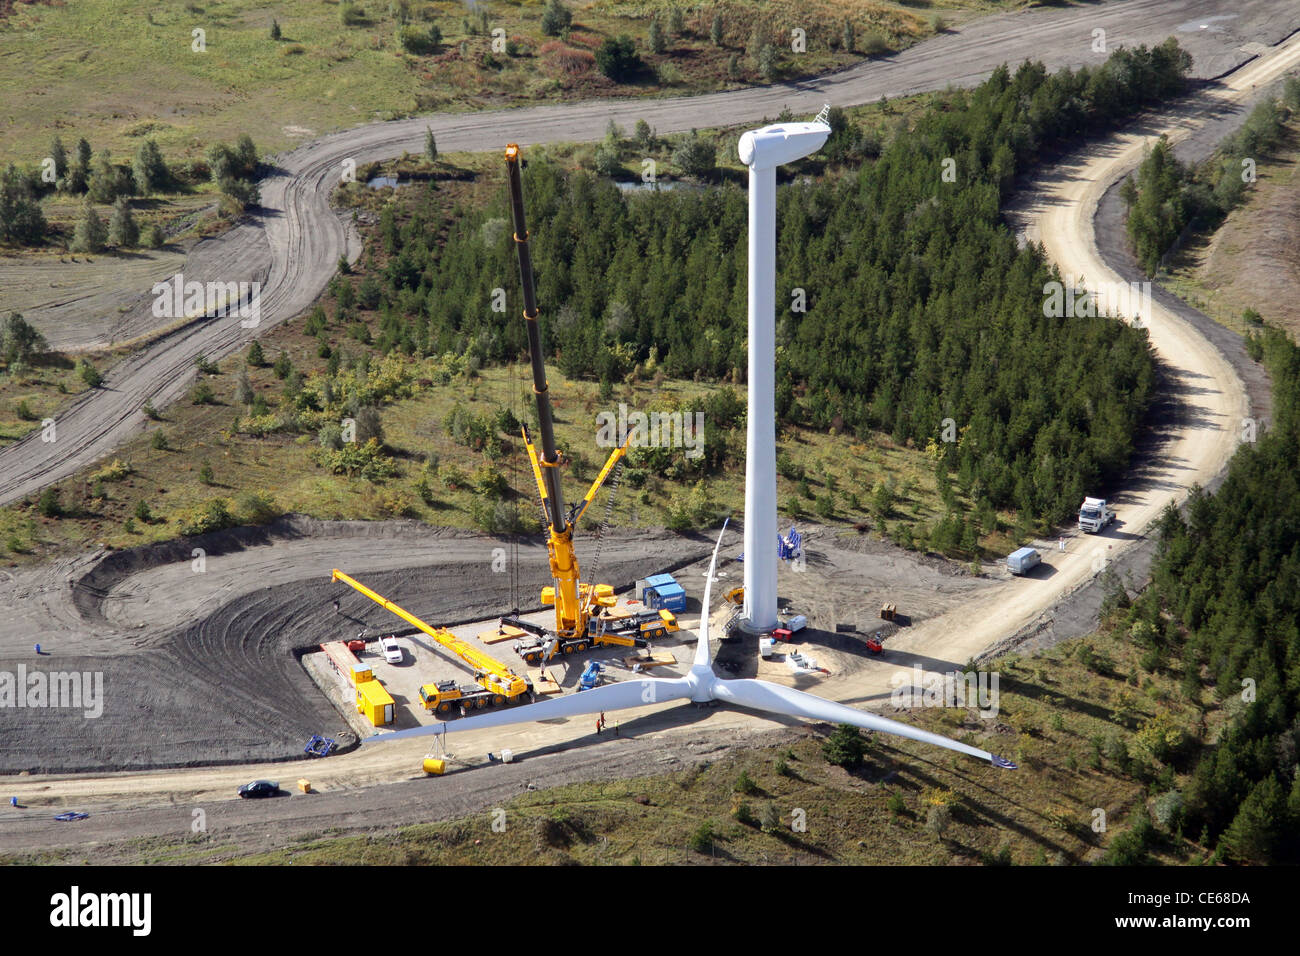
(433, 765)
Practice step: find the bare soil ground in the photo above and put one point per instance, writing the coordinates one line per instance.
(200, 668)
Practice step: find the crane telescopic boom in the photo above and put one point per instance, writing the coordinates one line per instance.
(578, 606)
(550, 456)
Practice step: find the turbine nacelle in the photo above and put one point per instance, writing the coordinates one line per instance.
(781, 143)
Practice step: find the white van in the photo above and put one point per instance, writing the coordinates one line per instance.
(1023, 561)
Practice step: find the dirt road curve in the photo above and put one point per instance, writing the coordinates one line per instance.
(293, 246)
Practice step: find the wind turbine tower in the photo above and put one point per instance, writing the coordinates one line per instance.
(762, 150)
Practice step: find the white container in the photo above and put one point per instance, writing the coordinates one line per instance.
(507, 756)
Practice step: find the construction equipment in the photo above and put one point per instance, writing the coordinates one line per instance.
(494, 682)
(590, 676)
(736, 595)
(620, 629)
(572, 599)
(320, 746)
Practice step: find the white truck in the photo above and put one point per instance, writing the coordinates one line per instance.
(391, 650)
(1094, 515)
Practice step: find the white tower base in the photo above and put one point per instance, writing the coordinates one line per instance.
(762, 150)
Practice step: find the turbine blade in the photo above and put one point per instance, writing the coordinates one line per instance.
(702, 645)
(776, 699)
(620, 696)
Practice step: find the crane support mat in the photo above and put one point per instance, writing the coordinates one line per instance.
(543, 682)
(657, 659)
(505, 633)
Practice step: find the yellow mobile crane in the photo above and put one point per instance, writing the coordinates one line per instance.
(576, 626)
(494, 682)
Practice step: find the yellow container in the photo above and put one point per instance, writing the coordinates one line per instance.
(304, 786)
(432, 765)
(374, 703)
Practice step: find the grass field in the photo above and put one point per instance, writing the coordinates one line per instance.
(115, 71)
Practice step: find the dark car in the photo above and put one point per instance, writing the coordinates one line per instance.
(259, 788)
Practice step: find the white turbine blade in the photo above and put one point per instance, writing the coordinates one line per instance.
(620, 696)
(702, 645)
(776, 699)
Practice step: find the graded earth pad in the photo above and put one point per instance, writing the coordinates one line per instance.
(199, 667)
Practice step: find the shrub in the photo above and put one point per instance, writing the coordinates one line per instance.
(143, 512)
(606, 161)
(702, 838)
(845, 747)
(745, 784)
(214, 516)
(556, 18)
(159, 440)
(617, 57)
(91, 233)
(49, 505)
(658, 44)
(421, 42)
(938, 820)
(352, 15)
(89, 374)
(205, 473)
(257, 508)
(113, 471)
(275, 29)
(20, 341)
(122, 229)
(695, 156)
